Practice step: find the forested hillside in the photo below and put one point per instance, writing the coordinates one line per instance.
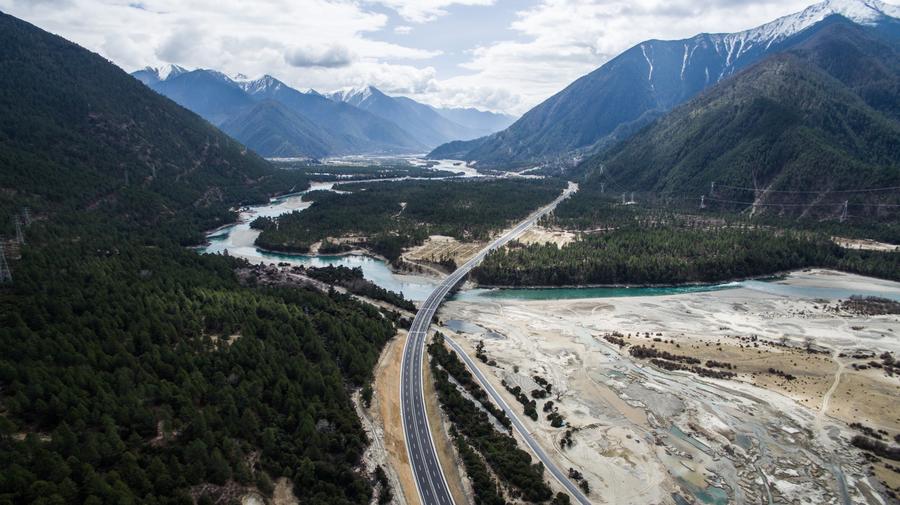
(77, 132)
(646, 81)
(805, 128)
(132, 369)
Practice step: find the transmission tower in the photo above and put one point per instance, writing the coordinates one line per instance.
(632, 198)
(623, 199)
(5, 272)
(712, 188)
(20, 237)
(844, 211)
(602, 187)
(702, 202)
(26, 216)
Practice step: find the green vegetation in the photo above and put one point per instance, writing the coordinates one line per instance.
(784, 126)
(674, 255)
(339, 173)
(119, 408)
(485, 487)
(352, 279)
(449, 361)
(133, 370)
(72, 126)
(390, 217)
(473, 428)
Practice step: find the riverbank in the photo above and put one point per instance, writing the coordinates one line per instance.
(642, 432)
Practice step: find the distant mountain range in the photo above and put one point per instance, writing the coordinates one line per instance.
(430, 126)
(643, 83)
(277, 120)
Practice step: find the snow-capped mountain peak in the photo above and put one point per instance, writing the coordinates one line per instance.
(737, 47)
(864, 12)
(354, 95)
(264, 84)
(168, 71)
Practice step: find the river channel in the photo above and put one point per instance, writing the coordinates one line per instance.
(238, 239)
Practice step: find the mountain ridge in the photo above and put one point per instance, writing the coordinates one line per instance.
(428, 126)
(642, 83)
(342, 129)
(797, 120)
(78, 132)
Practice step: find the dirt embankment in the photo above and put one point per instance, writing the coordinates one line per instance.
(385, 427)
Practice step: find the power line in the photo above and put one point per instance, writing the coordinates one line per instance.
(864, 190)
(5, 272)
(833, 204)
(20, 237)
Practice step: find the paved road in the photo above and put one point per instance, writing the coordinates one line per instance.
(429, 476)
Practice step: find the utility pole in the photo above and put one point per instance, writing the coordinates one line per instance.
(702, 202)
(5, 272)
(844, 212)
(602, 187)
(712, 188)
(20, 237)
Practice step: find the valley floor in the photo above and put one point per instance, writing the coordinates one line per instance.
(643, 433)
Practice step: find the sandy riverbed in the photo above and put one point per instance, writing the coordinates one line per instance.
(646, 433)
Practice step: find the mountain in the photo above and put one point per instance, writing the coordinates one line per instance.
(819, 118)
(424, 122)
(482, 121)
(150, 75)
(271, 128)
(78, 132)
(314, 122)
(349, 130)
(208, 93)
(649, 79)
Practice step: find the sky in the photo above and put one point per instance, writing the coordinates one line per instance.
(499, 55)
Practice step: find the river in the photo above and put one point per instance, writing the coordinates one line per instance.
(238, 239)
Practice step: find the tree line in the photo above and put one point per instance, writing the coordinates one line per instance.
(388, 217)
(673, 255)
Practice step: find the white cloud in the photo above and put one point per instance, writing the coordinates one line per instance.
(307, 43)
(328, 44)
(330, 56)
(421, 11)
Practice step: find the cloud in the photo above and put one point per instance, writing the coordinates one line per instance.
(331, 56)
(514, 61)
(421, 11)
(179, 45)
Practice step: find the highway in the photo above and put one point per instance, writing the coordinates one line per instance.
(426, 467)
